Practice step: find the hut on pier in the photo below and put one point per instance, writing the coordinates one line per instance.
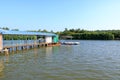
(10, 39)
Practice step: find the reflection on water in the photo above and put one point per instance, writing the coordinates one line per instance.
(91, 60)
(1, 65)
(35, 55)
(2, 75)
(6, 58)
(2, 68)
(48, 51)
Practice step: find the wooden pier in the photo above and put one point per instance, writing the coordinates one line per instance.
(23, 40)
(27, 46)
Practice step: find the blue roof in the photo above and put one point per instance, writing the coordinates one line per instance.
(25, 33)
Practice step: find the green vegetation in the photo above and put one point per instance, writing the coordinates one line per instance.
(91, 35)
(79, 34)
(18, 37)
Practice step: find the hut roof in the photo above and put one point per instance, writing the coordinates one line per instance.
(9, 32)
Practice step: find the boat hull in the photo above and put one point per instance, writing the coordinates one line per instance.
(70, 43)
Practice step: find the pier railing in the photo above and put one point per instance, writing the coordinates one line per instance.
(19, 42)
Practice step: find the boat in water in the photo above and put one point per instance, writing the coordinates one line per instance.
(70, 43)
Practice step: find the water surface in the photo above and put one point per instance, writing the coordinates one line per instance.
(91, 60)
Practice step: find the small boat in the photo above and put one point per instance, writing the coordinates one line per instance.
(70, 43)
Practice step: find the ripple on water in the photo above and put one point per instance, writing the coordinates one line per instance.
(91, 60)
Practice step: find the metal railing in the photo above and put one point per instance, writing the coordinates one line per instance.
(19, 42)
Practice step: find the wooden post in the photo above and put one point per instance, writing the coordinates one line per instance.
(6, 51)
(1, 41)
(13, 49)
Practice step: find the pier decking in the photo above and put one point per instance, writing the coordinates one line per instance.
(29, 46)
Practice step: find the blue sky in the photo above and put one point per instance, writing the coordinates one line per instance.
(59, 14)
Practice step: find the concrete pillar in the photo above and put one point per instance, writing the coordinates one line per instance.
(1, 42)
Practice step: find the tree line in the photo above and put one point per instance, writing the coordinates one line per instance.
(81, 34)
(78, 34)
(19, 37)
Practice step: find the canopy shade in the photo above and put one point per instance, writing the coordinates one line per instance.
(4, 32)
